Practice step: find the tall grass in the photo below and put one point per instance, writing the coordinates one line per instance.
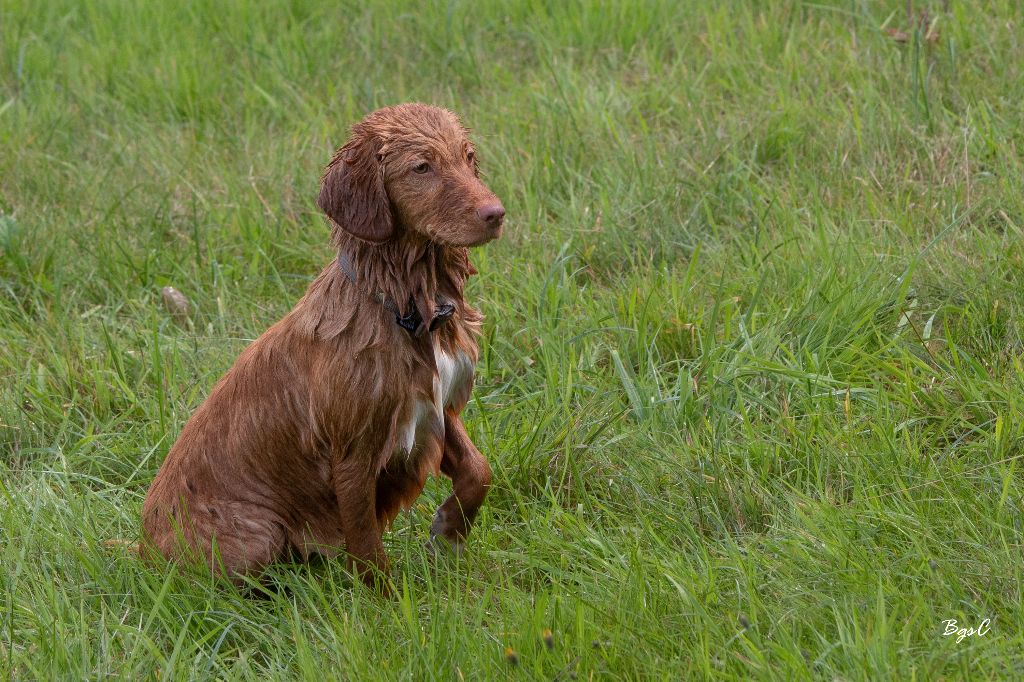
(751, 380)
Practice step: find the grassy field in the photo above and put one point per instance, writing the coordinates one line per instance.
(751, 382)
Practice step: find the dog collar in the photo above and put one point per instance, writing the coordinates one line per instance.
(412, 322)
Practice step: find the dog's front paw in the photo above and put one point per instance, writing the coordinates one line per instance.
(442, 537)
(439, 544)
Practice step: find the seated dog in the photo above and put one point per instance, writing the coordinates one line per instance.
(330, 422)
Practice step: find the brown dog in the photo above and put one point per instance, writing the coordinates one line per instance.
(330, 421)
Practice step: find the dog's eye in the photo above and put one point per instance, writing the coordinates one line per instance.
(422, 168)
(471, 156)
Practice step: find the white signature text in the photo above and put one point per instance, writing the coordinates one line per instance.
(951, 628)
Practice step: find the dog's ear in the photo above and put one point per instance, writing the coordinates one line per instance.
(352, 190)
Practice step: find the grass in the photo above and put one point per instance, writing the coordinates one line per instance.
(752, 373)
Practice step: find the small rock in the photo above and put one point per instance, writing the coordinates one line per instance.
(177, 305)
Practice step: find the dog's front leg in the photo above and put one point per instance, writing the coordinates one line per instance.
(356, 489)
(471, 479)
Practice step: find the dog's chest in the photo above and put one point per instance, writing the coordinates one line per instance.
(451, 384)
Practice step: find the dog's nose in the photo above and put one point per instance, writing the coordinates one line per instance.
(492, 214)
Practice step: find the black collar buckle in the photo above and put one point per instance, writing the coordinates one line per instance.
(442, 314)
(411, 322)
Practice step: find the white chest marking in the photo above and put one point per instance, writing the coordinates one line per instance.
(407, 440)
(452, 374)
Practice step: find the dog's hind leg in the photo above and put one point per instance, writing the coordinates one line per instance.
(232, 538)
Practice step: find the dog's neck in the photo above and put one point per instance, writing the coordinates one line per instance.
(408, 268)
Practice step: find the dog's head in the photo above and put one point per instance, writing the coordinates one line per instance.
(406, 168)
